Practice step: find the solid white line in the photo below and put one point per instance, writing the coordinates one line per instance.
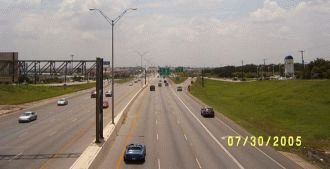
(158, 163)
(212, 136)
(199, 165)
(253, 146)
(156, 122)
(185, 137)
(16, 156)
(157, 136)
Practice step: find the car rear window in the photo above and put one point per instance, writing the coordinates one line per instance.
(134, 148)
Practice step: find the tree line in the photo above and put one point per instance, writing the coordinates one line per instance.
(316, 69)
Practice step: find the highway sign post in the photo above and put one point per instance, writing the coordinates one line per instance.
(99, 100)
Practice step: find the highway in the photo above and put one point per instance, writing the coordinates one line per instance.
(59, 135)
(177, 137)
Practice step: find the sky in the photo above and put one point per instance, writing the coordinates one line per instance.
(192, 33)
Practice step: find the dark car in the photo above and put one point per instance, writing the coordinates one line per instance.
(165, 81)
(166, 84)
(159, 84)
(93, 94)
(207, 112)
(105, 104)
(135, 152)
(179, 88)
(152, 88)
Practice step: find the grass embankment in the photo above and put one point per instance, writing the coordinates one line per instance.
(274, 108)
(178, 79)
(121, 81)
(12, 95)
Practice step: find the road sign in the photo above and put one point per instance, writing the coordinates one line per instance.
(164, 71)
(106, 62)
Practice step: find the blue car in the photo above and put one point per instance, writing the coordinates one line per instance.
(135, 152)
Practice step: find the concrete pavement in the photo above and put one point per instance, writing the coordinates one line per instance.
(177, 137)
(59, 135)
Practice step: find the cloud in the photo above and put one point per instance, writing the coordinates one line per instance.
(178, 32)
(270, 12)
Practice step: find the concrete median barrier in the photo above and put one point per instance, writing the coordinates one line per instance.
(93, 153)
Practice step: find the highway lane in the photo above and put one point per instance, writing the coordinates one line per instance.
(220, 127)
(177, 137)
(59, 135)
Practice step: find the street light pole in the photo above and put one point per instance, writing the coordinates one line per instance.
(112, 22)
(141, 55)
(112, 78)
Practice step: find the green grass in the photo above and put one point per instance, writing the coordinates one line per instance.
(13, 95)
(178, 79)
(121, 81)
(274, 108)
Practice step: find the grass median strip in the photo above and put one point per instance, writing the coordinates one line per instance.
(274, 108)
(19, 94)
(178, 79)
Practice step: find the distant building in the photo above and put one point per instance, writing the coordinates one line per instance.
(8, 67)
(288, 66)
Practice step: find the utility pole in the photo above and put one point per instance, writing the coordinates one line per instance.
(202, 77)
(302, 58)
(262, 70)
(242, 71)
(257, 72)
(145, 74)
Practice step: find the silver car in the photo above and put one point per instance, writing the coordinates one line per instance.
(62, 102)
(27, 117)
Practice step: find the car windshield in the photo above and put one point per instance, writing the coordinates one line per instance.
(27, 113)
(62, 99)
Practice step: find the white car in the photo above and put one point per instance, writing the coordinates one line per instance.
(131, 84)
(108, 94)
(62, 102)
(27, 117)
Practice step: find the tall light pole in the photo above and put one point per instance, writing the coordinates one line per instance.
(141, 55)
(112, 23)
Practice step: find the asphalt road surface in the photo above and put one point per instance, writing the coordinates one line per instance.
(177, 137)
(59, 135)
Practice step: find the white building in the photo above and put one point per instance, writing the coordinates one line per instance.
(288, 66)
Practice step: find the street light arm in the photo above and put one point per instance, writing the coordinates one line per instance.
(122, 14)
(106, 18)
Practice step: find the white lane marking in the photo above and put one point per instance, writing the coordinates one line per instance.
(75, 119)
(158, 163)
(23, 134)
(14, 158)
(156, 122)
(224, 137)
(253, 146)
(212, 136)
(199, 165)
(157, 136)
(185, 137)
(52, 133)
